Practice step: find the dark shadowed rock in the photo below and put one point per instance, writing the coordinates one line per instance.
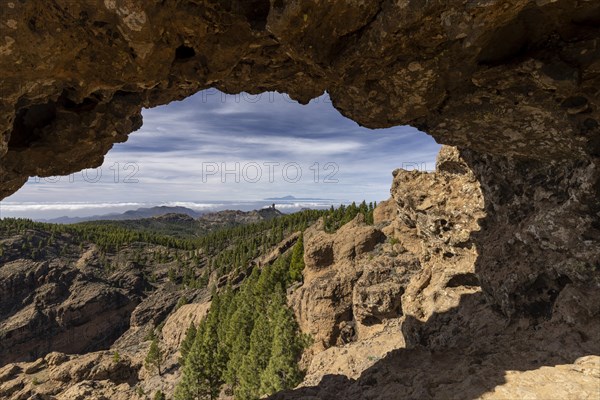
(511, 79)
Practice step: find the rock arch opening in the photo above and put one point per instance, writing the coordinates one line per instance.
(212, 151)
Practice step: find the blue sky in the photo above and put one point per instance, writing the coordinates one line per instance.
(213, 148)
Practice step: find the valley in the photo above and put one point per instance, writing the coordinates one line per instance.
(107, 287)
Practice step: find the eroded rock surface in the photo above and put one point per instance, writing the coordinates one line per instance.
(516, 78)
(55, 303)
(176, 325)
(59, 376)
(333, 265)
(451, 337)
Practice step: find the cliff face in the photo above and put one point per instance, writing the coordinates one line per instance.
(422, 315)
(542, 228)
(59, 303)
(66, 302)
(325, 304)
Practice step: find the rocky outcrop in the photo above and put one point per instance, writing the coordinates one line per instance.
(60, 294)
(425, 265)
(53, 306)
(58, 376)
(352, 359)
(151, 313)
(385, 212)
(282, 247)
(440, 211)
(323, 304)
(173, 332)
(117, 373)
(237, 217)
(359, 284)
(155, 308)
(450, 337)
(376, 296)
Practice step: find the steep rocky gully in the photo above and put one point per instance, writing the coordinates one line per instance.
(479, 281)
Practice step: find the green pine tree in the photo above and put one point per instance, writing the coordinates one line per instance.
(172, 275)
(154, 357)
(238, 338)
(282, 372)
(297, 262)
(256, 360)
(188, 341)
(204, 365)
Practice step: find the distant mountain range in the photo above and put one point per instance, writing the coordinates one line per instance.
(158, 211)
(178, 222)
(140, 213)
(292, 198)
(185, 226)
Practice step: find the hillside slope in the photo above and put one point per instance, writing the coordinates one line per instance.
(100, 292)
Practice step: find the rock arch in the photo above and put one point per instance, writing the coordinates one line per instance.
(515, 85)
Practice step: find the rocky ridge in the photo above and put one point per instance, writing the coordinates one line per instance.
(422, 323)
(64, 305)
